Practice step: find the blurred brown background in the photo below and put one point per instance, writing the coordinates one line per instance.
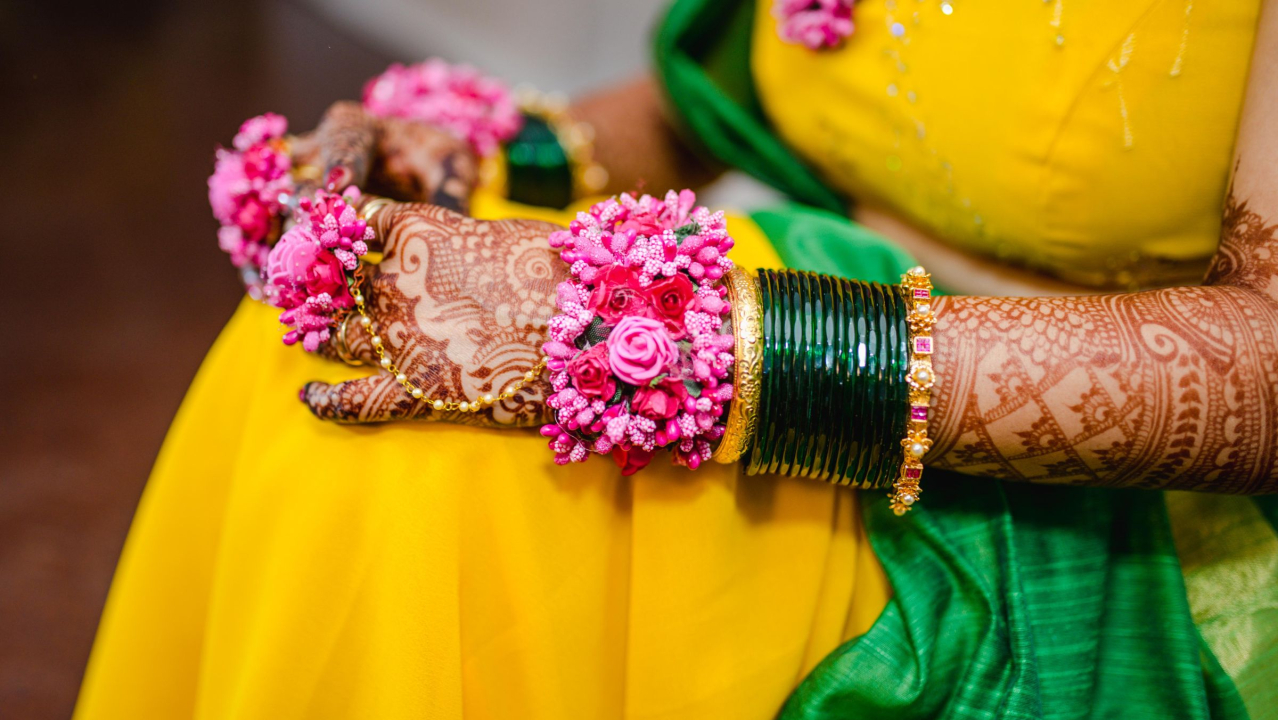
(115, 285)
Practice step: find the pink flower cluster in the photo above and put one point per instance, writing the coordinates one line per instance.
(308, 270)
(457, 98)
(815, 24)
(249, 188)
(638, 358)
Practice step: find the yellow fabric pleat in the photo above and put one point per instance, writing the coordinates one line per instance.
(281, 567)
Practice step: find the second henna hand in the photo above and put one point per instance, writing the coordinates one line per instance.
(461, 306)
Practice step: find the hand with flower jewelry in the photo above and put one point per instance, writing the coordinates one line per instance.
(415, 161)
(461, 306)
(389, 156)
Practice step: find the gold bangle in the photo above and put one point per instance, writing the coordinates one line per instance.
(743, 413)
(917, 285)
(577, 137)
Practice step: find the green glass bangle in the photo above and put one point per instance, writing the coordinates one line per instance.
(538, 170)
(755, 454)
(879, 348)
(823, 367)
(896, 386)
(808, 375)
(791, 418)
(859, 329)
(833, 395)
(781, 348)
(843, 381)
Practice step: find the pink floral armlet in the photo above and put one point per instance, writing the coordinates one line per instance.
(639, 354)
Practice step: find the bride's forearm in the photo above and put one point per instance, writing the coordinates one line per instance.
(1174, 388)
(635, 142)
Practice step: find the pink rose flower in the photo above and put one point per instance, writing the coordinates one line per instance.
(815, 24)
(253, 218)
(661, 402)
(327, 275)
(287, 263)
(640, 349)
(642, 223)
(618, 295)
(265, 163)
(659, 291)
(670, 299)
(291, 256)
(590, 374)
(298, 263)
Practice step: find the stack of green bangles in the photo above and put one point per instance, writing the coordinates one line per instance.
(833, 393)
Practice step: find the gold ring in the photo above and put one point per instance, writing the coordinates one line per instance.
(341, 348)
(372, 205)
(306, 172)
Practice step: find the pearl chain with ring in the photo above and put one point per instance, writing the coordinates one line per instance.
(367, 212)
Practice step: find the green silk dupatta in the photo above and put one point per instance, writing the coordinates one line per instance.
(1010, 601)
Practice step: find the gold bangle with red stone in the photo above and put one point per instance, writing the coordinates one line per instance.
(917, 285)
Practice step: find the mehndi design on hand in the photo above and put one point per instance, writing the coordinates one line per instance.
(462, 305)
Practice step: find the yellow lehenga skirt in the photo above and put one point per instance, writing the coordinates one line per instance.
(282, 567)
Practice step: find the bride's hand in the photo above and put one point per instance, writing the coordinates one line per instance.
(461, 305)
(396, 158)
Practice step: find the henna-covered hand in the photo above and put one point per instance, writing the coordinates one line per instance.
(462, 306)
(396, 158)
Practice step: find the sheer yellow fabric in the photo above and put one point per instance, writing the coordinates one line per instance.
(281, 567)
(1089, 138)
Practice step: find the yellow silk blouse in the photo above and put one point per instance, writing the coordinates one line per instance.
(1090, 139)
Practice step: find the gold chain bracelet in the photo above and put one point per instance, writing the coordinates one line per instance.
(917, 285)
(366, 213)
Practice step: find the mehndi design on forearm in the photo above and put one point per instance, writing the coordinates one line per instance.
(1174, 388)
(1248, 253)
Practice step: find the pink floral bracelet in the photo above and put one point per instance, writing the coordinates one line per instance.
(639, 355)
(249, 191)
(310, 272)
(458, 98)
(253, 192)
